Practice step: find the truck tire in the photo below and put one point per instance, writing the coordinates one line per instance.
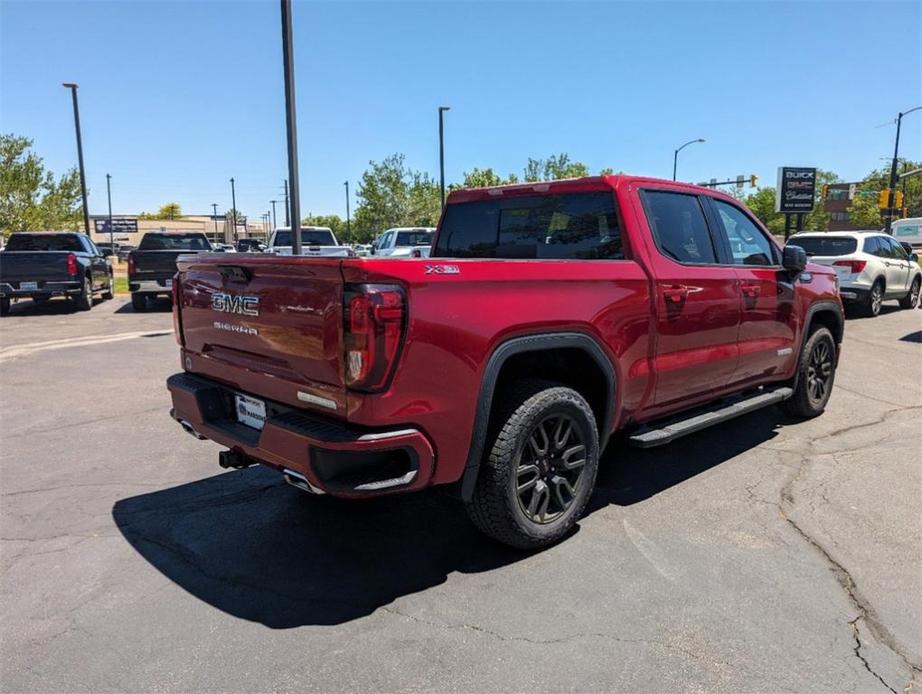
(84, 300)
(109, 291)
(5, 306)
(911, 300)
(138, 302)
(816, 373)
(875, 297)
(540, 472)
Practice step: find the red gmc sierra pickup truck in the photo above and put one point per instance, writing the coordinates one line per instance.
(549, 316)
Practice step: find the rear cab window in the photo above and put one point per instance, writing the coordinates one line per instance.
(577, 226)
(309, 237)
(414, 238)
(679, 227)
(174, 242)
(45, 242)
(826, 245)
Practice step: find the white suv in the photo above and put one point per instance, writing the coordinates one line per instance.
(405, 242)
(871, 266)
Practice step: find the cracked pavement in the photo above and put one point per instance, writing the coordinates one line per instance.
(763, 555)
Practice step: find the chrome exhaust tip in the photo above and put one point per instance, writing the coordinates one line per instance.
(189, 429)
(296, 479)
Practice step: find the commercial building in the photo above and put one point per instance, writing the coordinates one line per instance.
(837, 201)
(128, 229)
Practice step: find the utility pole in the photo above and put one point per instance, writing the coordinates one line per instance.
(442, 110)
(214, 217)
(272, 202)
(292, 127)
(891, 193)
(285, 190)
(109, 196)
(348, 223)
(234, 211)
(86, 210)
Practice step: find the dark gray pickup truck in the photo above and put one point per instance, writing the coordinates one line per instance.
(151, 267)
(38, 265)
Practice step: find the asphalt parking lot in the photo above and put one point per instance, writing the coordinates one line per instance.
(765, 555)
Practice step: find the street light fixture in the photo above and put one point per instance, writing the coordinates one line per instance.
(442, 110)
(86, 210)
(893, 176)
(675, 155)
(234, 212)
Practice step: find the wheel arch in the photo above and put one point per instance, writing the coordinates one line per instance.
(514, 356)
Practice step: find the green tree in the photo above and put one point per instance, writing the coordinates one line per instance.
(486, 178)
(553, 168)
(30, 197)
(170, 210)
(333, 221)
(864, 210)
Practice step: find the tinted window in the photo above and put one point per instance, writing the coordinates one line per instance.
(309, 237)
(748, 245)
(894, 248)
(45, 242)
(174, 242)
(875, 245)
(678, 226)
(574, 225)
(414, 238)
(826, 245)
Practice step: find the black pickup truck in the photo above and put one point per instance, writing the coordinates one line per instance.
(151, 267)
(38, 265)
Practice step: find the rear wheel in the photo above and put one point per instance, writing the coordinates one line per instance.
(541, 469)
(815, 376)
(109, 291)
(138, 302)
(84, 300)
(4, 306)
(911, 300)
(874, 299)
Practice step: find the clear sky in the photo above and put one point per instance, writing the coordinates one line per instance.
(176, 98)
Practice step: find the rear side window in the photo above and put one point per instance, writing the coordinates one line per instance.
(826, 245)
(173, 242)
(679, 227)
(875, 246)
(45, 242)
(579, 226)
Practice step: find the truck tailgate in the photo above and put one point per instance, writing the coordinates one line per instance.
(38, 266)
(269, 325)
(154, 264)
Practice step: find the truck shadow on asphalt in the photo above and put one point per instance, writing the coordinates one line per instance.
(250, 545)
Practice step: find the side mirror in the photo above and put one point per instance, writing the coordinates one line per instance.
(794, 259)
(106, 252)
(913, 257)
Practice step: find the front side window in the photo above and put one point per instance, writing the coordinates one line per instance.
(577, 226)
(896, 250)
(679, 227)
(748, 245)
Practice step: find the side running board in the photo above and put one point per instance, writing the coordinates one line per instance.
(661, 433)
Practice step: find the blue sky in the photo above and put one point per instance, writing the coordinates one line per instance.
(178, 97)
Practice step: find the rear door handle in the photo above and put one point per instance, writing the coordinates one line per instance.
(675, 294)
(752, 290)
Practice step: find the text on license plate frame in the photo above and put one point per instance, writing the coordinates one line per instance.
(250, 412)
(28, 286)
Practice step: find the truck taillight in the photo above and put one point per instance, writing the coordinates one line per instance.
(855, 266)
(130, 264)
(177, 321)
(374, 324)
(71, 264)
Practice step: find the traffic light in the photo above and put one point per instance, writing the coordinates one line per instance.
(753, 180)
(898, 201)
(825, 191)
(883, 199)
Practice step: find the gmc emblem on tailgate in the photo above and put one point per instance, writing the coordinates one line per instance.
(232, 303)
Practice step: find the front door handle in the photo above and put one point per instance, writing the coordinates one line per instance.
(675, 294)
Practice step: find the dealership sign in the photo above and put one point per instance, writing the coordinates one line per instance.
(796, 189)
(121, 225)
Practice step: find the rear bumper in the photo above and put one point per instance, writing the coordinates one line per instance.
(44, 289)
(332, 457)
(162, 286)
(854, 293)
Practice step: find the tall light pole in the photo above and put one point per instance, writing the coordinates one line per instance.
(893, 175)
(109, 196)
(675, 155)
(348, 222)
(272, 202)
(442, 110)
(234, 211)
(86, 210)
(214, 217)
(285, 190)
(292, 127)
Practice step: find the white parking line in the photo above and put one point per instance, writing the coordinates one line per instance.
(8, 353)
